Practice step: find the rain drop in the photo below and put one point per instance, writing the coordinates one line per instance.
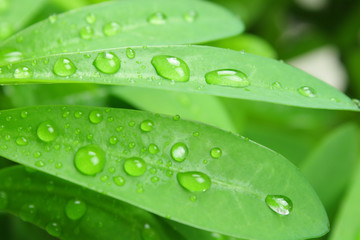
(279, 204)
(307, 91)
(21, 141)
(28, 212)
(171, 68)
(90, 160)
(194, 181)
(53, 229)
(153, 148)
(179, 151)
(75, 209)
(86, 33)
(190, 16)
(227, 77)
(157, 18)
(47, 131)
(146, 126)
(135, 166)
(111, 29)
(64, 67)
(130, 53)
(23, 72)
(215, 152)
(107, 62)
(119, 181)
(95, 117)
(91, 18)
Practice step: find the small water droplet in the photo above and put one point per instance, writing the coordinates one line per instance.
(356, 102)
(40, 163)
(307, 91)
(193, 198)
(24, 114)
(28, 212)
(90, 160)
(279, 204)
(91, 18)
(58, 165)
(53, 229)
(179, 151)
(119, 181)
(215, 152)
(132, 123)
(95, 116)
(176, 118)
(157, 18)
(171, 68)
(135, 166)
(146, 126)
(154, 179)
(75, 209)
(23, 72)
(130, 53)
(107, 62)
(3, 200)
(64, 67)
(148, 233)
(153, 148)
(194, 181)
(113, 140)
(227, 77)
(111, 29)
(87, 33)
(22, 141)
(277, 85)
(47, 132)
(190, 16)
(52, 18)
(196, 134)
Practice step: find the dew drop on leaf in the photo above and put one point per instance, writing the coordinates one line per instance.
(40, 163)
(279, 204)
(54, 229)
(307, 91)
(91, 18)
(28, 212)
(148, 233)
(277, 85)
(52, 19)
(171, 68)
(107, 62)
(190, 16)
(356, 102)
(23, 72)
(3, 200)
(157, 18)
(146, 126)
(135, 166)
(21, 141)
(90, 160)
(95, 117)
(75, 209)
(215, 152)
(119, 181)
(111, 29)
(24, 114)
(227, 77)
(194, 181)
(130, 53)
(47, 132)
(113, 140)
(86, 33)
(179, 152)
(153, 148)
(64, 67)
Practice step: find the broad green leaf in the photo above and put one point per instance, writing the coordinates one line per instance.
(347, 223)
(123, 23)
(330, 167)
(15, 14)
(240, 75)
(71, 211)
(203, 108)
(20, 230)
(186, 171)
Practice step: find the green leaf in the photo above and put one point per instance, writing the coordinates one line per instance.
(347, 223)
(71, 211)
(203, 108)
(236, 174)
(249, 76)
(123, 23)
(332, 164)
(15, 14)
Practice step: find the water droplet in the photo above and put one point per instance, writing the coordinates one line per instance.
(171, 68)
(91, 18)
(64, 67)
(113, 140)
(194, 181)
(107, 62)
(40, 163)
(118, 180)
(95, 117)
(227, 77)
(135, 166)
(279, 204)
(23, 72)
(132, 123)
(86, 33)
(53, 229)
(146, 126)
(58, 165)
(130, 53)
(176, 118)
(155, 179)
(307, 91)
(148, 233)
(179, 151)
(196, 134)
(47, 132)
(277, 85)
(24, 114)
(356, 102)
(153, 148)
(193, 198)
(215, 152)
(52, 18)
(75, 209)
(78, 114)
(28, 212)
(21, 141)
(90, 160)
(111, 29)
(190, 16)
(3, 200)
(157, 18)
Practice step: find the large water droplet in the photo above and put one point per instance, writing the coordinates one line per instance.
(157, 18)
(47, 131)
(227, 77)
(111, 29)
(21, 141)
(153, 148)
(279, 204)
(194, 181)
(307, 91)
(10, 55)
(107, 62)
(86, 33)
(135, 166)
(75, 209)
(146, 126)
(179, 151)
(90, 160)
(95, 117)
(23, 72)
(130, 53)
(54, 229)
(171, 68)
(64, 67)
(3, 200)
